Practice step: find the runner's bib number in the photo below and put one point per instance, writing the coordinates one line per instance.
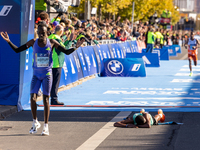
(42, 60)
(191, 46)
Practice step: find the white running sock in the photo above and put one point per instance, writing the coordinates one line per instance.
(35, 120)
(46, 125)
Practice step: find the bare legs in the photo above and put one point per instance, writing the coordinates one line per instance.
(46, 107)
(190, 64)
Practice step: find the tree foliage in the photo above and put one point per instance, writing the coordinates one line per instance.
(143, 8)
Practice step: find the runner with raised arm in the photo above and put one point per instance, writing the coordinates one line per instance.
(42, 70)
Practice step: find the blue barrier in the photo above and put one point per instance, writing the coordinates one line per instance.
(128, 67)
(105, 51)
(112, 51)
(150, 59)
(134, 46)
(78, 65)
(90, 59)
(177, 48)
(117, 50)
(72, 68)
(162, 53)
(171, 49)
(82, 62)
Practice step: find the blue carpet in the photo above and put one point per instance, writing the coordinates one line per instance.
(169, 87)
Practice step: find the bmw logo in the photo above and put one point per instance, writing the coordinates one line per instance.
(115, 67)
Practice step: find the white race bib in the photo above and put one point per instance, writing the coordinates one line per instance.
(42, 60)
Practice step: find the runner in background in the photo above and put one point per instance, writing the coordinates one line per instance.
(191, 45)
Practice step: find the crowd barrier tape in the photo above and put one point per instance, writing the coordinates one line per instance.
(171, 49)
(163, 54)
(128, 67)
(150, 59)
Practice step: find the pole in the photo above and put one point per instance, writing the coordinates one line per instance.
(133, 14)
(85, 15)
(88, 12)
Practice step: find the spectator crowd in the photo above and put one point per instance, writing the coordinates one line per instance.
(94, 30)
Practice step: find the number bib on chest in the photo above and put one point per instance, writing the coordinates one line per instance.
(42, 60)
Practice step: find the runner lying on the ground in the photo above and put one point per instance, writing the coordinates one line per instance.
(141, 120)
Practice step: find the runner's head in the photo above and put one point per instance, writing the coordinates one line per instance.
(192, 35)
(140, 120)
(42, 31)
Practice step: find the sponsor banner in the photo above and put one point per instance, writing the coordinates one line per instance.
(99, 57)
(116, 50)
(128, 67)
(105, 52)
(162, 53)
(177, 48)
(150, 59)
(134, 46)
(78, 65)
(171, 49)
(112, 51)
(123, 49)
(82, 62)
(71, 68)
(128, 47)
(90, 59)
(27, 33)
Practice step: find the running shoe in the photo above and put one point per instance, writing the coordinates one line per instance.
(45, 131)
(142, 111)
(34, 127)
(160, 111)
(191, 74)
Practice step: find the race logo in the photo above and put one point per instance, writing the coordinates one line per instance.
(115, 67)
(170, 50)
(146, 61)
(136, 67)
(4, 10)
(177, 49)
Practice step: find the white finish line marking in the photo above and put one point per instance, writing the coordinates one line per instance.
(189, 69)
(94, 141)
(186, 74)
(163, 98)
(192, 66)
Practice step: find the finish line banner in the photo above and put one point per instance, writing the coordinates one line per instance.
(150, 59)
(127, 67)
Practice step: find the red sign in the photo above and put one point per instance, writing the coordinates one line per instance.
(165, 20)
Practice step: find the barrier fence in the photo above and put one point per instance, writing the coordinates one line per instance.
(90, 60)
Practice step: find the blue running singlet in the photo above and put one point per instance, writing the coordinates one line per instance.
(42, 68)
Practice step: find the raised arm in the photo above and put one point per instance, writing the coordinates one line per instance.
(13, 46)
(63, 49)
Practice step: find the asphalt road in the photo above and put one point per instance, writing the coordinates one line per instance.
(86, 130)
